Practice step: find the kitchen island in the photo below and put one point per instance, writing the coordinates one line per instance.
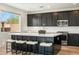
(54, 38)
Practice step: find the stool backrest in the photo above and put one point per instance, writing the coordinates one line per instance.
(45, 39)
(19, 37)
(25, 38)
(32, 38)
(13, 37)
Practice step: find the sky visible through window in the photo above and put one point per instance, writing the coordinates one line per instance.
(9, 22)
(4, 16)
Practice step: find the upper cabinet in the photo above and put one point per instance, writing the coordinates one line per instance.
(29, 20)
(44, 19)
(55, 17)
(50, 19)
(47, 19)
(34, 20)
(74, 18)
(63, 15)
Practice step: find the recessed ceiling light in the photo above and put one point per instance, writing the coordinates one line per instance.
(41, 6)
(48, 6)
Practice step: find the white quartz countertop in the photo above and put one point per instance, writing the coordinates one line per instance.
(37, 34)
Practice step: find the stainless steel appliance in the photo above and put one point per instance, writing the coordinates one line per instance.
(64, 38)
(62, 22)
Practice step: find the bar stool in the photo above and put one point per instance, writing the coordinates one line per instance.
(8, 47)
(33, 44)
(45, 45)
(22, 44)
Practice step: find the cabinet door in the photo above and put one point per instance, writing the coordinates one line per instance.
(63, 15)
(73, 40)
(29, 20)
(34, 20)
(74, 18)
(43, 19)
(47, 19)
(55, 17)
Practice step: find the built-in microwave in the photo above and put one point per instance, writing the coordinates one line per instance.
(62, 22)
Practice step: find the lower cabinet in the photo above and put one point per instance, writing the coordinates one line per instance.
(54, 49)
(46, 50)
(73, 39)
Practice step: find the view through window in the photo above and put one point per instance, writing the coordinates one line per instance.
(9, 22)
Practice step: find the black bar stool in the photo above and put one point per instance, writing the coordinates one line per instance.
(44, 48)
(20, 47)
(33, 44)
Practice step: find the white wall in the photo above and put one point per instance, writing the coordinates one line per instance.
(23, 22)
(6, 35)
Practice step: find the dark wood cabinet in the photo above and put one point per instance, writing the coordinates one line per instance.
(47, 19)
(37, 20)
(63, 15)
(73, 39)
(29, 20)
(74, 18)
(34, 20)
(55, 18)
(44, 19)
(50, 19)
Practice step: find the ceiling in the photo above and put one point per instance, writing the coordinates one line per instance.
(32, 7)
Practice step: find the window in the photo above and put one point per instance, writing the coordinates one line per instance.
(9, 22)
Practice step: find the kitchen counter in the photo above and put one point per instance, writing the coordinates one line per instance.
(53, 38)
(37, 34)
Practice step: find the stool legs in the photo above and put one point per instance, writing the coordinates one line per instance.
(24, 49)
(20, 48)
(33, 49)
(6, 47)
(12, 49)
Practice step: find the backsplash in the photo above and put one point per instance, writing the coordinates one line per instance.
(52, 29)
